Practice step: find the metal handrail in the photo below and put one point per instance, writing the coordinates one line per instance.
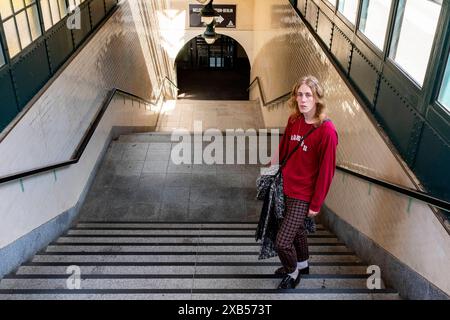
(86, 137)
(416, 194)
(262, 94)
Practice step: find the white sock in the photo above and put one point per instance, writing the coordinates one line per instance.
(302, 264)
(294, 274)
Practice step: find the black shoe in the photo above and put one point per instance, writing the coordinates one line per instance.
(288, 282)
(281, 270)
(304, 270)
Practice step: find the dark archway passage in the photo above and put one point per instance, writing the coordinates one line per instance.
(220, 71)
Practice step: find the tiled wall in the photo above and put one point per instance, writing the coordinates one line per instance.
(407, 230)
(54, 125)
(276, 59)
(416, 122)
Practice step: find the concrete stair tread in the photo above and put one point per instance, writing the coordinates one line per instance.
(215, 103)
(176, 257)
(183, 260)
(156, 224)
(269, 294)
(313, 250)
(177, 239)
(169, 233)
(181, 283)
(175, 226)
(180, 268)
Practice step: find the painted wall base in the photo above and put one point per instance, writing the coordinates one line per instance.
(395, 274)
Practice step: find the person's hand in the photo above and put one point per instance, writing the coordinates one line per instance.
(312, 213)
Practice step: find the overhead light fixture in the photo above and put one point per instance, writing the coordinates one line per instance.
(210, 34)
(208, 13)
(207, 20)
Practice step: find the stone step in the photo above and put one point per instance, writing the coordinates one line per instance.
(187, 225)
(174, 232)
(192, 260)
(161, 138)
(163, 282)
(187, 257)
(184, 268)
(169, 228)
(153, 137)
(178, 229)
(178, 225)
(177, 239)
(169, 247)
(215, 103)
(268, 294)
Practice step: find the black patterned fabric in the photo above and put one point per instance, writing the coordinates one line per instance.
(292, 240)
(270, 189)
(310, 225)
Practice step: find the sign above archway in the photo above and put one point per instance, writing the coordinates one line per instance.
(226, 18)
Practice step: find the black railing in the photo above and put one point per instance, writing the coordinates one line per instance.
(416, 194)
(261, 93)
(87, 135)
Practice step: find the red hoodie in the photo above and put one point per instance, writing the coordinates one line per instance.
(308, 173)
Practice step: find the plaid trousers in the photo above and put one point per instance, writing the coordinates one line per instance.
(292, 240)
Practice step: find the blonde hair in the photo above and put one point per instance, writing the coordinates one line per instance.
(317, 91)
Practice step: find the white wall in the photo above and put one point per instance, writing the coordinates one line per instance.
(55, 124)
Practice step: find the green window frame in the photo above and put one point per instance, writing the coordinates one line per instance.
(54, 11)
(413, 36)
(374, 18)
(349, 9)
(21, 24)
(2, 57)
(444, 92)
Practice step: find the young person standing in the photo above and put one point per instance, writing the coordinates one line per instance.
(307, 175)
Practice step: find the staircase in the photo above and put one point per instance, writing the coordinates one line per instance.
(188, 260)
(216, 114)
(150, 229)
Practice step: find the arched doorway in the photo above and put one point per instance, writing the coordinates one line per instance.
(220, 71)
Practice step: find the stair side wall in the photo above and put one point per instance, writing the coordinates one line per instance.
(35, 209)
(395, 273)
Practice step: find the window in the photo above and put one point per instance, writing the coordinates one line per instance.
(349, 9)
(20, 23)
(374, 20)
(53, 11)
(415, 26)
(5, 9)
(333, 2)
(74, 3)
(2, 58)
(444, 95)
